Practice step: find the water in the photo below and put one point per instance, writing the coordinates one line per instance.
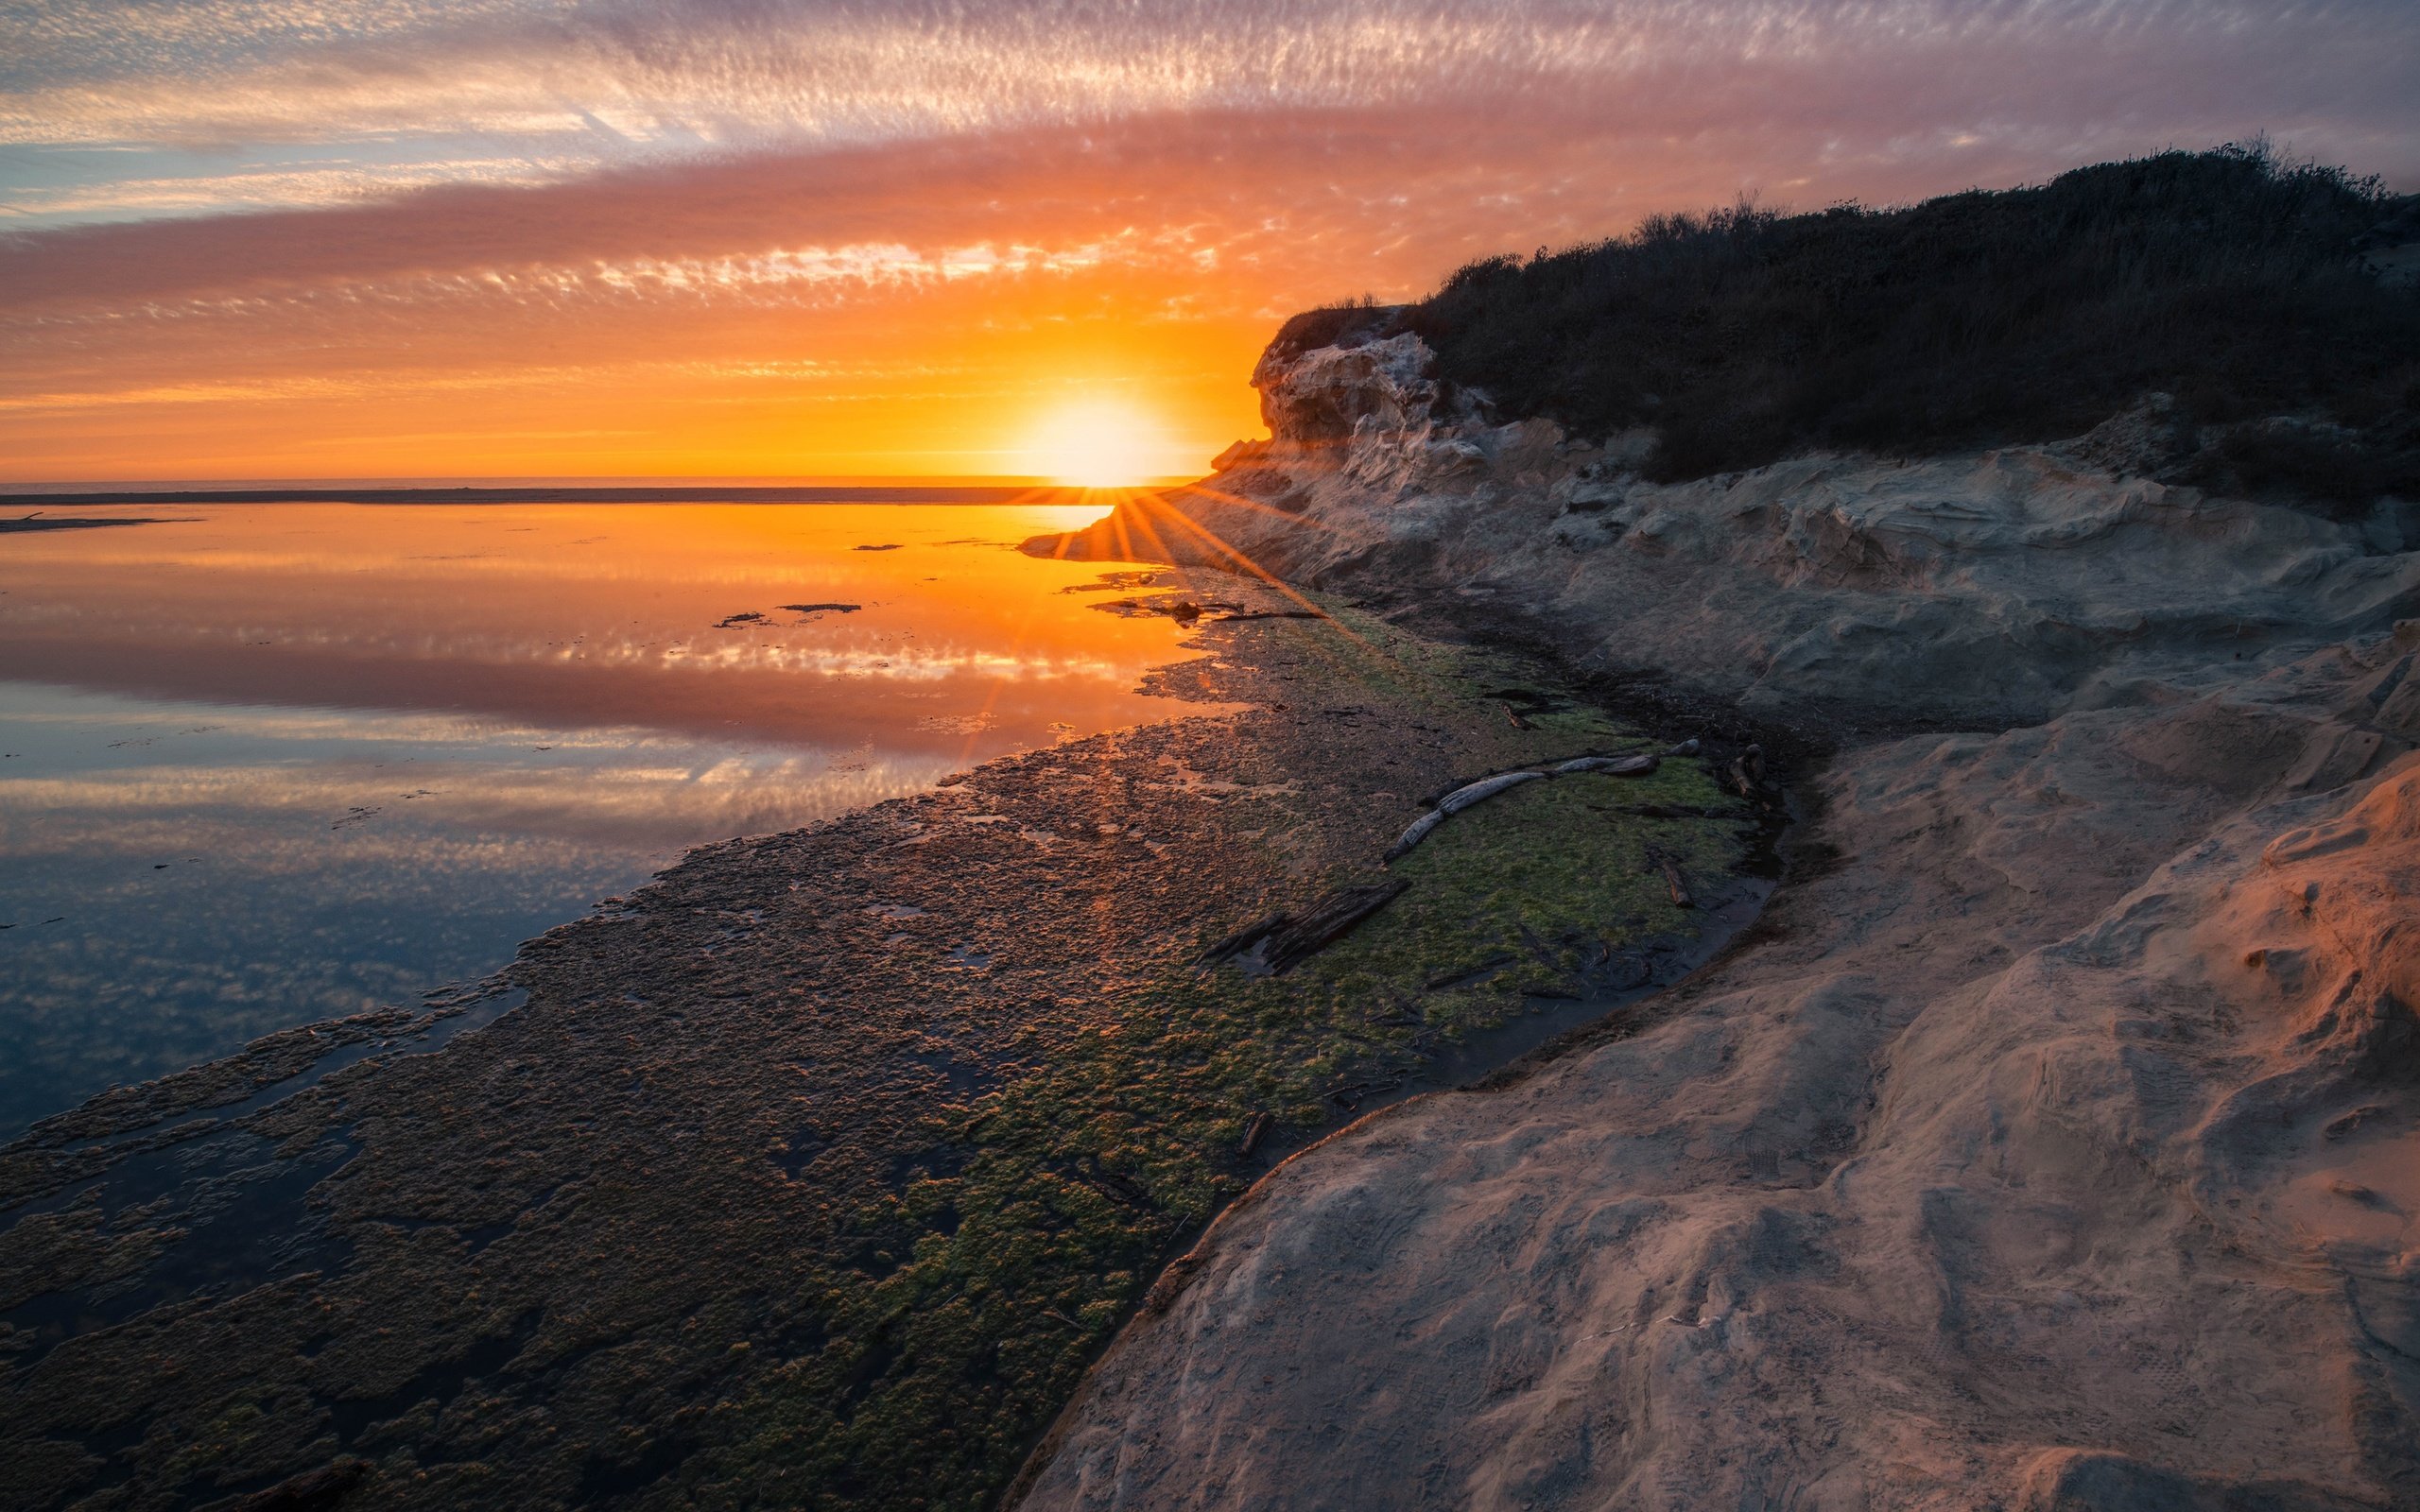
(272, 763)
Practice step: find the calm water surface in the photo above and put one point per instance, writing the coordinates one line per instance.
(277, 763)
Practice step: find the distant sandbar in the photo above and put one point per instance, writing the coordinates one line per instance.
(65, 522)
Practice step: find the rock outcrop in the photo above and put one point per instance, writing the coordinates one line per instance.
(2056, 1146)
(1995, 587)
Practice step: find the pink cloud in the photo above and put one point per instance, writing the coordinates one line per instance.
(1339, 177)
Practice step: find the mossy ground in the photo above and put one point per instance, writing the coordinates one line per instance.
(818, 1174)
(1077, 1178)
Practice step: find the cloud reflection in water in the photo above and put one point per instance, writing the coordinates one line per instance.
(291, 761)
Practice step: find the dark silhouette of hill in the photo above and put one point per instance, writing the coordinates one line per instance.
(2262, 294)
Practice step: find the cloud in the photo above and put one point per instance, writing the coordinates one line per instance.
(750, 74)
(584, 185)
(851, 130)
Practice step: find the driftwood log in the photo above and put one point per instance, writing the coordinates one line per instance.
(1334, 919)
(1453, 803)
(1231, 946)
(1419, 832)
(1662, 860)
(1253, 1133)
(1487, 787)
(1286, 942)
(1610, 765)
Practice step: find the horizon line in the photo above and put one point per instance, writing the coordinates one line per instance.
(65, 488)
(1047, 494)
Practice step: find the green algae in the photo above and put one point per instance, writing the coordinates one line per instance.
(843, 1218)
(1539, 873)
(1085, 1174)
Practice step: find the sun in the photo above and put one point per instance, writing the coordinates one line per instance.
(1099, 443)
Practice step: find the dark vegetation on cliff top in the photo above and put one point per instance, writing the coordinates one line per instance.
(2244, 284)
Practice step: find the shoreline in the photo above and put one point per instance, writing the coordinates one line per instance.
(568, 493)
(395, 1148)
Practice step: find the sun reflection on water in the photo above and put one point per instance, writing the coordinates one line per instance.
(275, 763)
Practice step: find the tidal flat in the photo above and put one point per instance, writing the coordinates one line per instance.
(284, 761)
(818, 1170)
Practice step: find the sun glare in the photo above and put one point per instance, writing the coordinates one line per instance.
(1099, 443)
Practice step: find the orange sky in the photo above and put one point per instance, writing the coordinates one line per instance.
(750, 239)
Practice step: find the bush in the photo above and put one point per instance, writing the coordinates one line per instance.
(2340, 469)
(2230, 278)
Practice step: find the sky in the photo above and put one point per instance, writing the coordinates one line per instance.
(323, 239)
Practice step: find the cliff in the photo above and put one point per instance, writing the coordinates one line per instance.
(2051, 1145)
(1999, 586)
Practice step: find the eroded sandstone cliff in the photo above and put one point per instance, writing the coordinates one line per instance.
(1995, 587)
(2054, 1145)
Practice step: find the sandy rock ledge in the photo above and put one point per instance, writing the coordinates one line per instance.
(2055, 1147)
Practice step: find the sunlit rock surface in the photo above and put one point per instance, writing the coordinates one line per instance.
(2052, 1144)
(1992, 587)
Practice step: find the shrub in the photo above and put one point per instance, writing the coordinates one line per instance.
(2231, 278)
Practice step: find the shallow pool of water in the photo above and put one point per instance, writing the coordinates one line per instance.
(266, 764)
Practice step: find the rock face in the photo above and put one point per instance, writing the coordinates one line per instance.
(1327, 394)
(2057, 1145)
(1995, 587)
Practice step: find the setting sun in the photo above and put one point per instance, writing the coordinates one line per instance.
(1101, 443)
